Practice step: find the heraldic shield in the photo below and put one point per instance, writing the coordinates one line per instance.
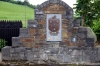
(54, 25)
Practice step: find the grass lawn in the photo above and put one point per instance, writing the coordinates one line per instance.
(9, 11)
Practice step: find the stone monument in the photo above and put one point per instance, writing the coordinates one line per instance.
(53, 35)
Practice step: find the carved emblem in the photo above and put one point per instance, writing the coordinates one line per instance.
(54, 25)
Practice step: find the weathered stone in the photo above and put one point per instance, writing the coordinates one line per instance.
(82, 35)
(20, 49)
(16, 42)
(24, 32)
(61, 2)
(91, 34)
(76, 52)
(82, 29)
(67, 6)
(32, 32)
(76, 59)
(60, 58)
(53, 57)
(6, 53)
(54, 1)
(44, 4)
(39, 12)
(14, 56)
(32, 24)
(54, 50)
(76, 45)
(86, 59)
(47, 2)
(26, 40)
(29, 55)
(67, 58)
(76, 25)
(98, 54)
(90, 42)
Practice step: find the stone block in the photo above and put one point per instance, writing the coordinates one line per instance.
(90, 42)
(64, 4)
(61, 50)
(76, 25)
(82, 29)
(32, 23)
(54, 1)
(67, 14)
(91, 34)
(39, 7)
(67, 58)
(76, 21)
(32, 32)
(45, 45)
(43, 56)
(67, 6)
(47, 2)
(54, 50)
(53, 57)
(12, 50)
(38, 17)
(16, 42)
(76, 59)
(28, 40)
(20, 49)
(60, 58)
(76, 52)
(22, 56)
(29, 55)
(14, 56)
(98, 54)
(69, 17)
(86, 59)
(44, 4)
(6, 53)
(35, 50)
(39, 12)
(24, 32)
(82, 35)
(61, 2)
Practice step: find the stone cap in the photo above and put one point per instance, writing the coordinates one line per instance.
(90, 33)
(43, 5)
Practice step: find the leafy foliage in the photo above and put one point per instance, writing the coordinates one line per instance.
(2, 43)
(88, 10)
(96, 28)
(21, 3)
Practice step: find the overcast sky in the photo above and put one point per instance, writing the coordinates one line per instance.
(35, 2)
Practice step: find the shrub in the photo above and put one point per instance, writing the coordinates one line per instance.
(2, 43)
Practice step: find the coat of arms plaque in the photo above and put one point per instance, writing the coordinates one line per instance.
(54, 27)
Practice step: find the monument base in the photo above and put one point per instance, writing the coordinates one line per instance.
(57, 55)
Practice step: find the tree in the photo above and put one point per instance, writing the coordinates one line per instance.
(88, 10)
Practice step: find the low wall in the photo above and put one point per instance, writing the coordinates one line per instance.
(52, 54)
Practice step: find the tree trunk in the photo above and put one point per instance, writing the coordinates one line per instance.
(82, 21)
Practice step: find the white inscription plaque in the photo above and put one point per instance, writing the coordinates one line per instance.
(54, 27)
